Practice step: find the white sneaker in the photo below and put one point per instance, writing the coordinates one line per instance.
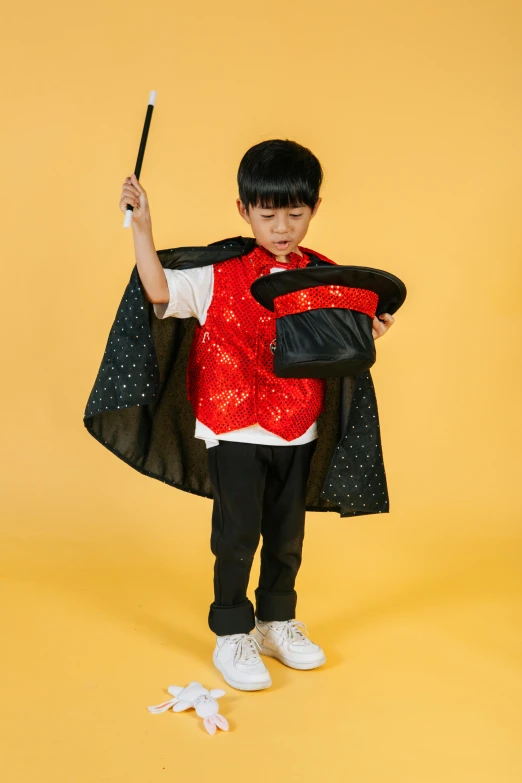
(237, 658)
(284, 640)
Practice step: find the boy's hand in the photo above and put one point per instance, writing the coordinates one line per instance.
(134, 195)
(381, 327)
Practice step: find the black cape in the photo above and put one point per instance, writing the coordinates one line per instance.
(139, 410)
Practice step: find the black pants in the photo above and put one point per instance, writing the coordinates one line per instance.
(258, 490)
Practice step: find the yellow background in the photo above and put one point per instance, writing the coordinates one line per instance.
(414, 110)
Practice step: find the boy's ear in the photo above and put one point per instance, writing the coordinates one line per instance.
(242, 210)
(316, 207)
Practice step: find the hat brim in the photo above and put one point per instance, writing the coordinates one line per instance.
(390, 289)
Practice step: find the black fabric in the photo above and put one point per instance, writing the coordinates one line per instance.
(259, 490)
(323, 343)
(138, 406)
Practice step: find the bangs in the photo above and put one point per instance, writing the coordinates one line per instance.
(277, 194)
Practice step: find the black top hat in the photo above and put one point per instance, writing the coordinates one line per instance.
(324, 316)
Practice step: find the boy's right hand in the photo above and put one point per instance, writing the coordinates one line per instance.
(133, 194)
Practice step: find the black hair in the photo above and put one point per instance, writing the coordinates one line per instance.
(279, 173)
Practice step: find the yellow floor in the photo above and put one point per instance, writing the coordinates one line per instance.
(420, 623)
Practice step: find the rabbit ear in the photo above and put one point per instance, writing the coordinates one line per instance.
(181, 705)
(217, 693)
(162, 707)
(221, 721)
(175, 689)
(209, 724)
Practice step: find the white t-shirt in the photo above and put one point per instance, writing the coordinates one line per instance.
(190, 296)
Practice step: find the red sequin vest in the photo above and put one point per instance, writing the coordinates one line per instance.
(230, 378)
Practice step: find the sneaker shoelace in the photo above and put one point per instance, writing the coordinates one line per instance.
(246, 648)
(292, 631)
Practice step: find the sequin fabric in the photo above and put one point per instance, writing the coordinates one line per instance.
(360, 299)
(230, 378)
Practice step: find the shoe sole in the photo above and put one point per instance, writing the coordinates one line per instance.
(242, 686)
(292, 664)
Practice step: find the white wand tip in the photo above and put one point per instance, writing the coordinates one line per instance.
(152, 97)
(128, 218)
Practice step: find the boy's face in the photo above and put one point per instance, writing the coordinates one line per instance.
(279, 230)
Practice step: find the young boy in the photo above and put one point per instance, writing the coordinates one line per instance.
(260, 431)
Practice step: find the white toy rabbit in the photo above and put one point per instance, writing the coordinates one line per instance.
(204, 702)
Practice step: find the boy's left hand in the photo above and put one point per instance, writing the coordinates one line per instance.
(380, 327)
